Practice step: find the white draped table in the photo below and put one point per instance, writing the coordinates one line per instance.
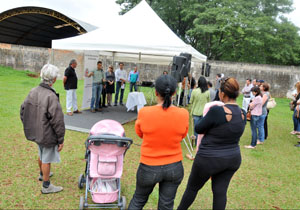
(135, 99)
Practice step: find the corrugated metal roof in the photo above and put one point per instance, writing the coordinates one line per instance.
(38, 26)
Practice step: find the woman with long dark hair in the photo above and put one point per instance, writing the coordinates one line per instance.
(219, 155)
(264, 88)
(162, 128)
(257, 119)
(200, 96)
(110, 84)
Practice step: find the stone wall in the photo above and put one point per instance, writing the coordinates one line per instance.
(62, 58)
(33, 58)
(22, 57)
(281, 78)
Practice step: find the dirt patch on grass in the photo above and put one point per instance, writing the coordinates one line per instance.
(34, 75)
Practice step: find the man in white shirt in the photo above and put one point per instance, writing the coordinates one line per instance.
(247, 94)
(121, 76)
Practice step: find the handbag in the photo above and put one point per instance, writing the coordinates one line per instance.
(271, 103)
(292, 106)
(248, 115)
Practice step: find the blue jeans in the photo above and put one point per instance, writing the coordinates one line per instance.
(254, 127)
(296, 121)
(261, 129)
(190, 94)
(96, 95)
(118, 87)
(133, 84)
(197, 120)
(167, 176)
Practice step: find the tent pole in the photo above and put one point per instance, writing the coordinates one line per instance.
(204, 69)
(139, 66)
(113, 59)
(180, 84)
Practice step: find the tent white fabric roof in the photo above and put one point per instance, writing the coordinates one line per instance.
(138, 36)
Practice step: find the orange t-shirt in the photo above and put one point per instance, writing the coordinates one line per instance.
(162, 132)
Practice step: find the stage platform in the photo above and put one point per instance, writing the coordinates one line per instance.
(84, 122)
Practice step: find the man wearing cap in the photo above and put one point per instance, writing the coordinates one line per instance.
(70, 84)
(258, 83)
(247, 96)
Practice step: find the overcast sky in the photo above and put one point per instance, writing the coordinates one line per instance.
(97, 12)
(295, 15)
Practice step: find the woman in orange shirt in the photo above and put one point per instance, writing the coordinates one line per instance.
(162, 128)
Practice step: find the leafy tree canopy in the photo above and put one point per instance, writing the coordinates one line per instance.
(253, 31)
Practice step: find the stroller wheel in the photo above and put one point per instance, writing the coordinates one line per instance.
(123, 203)
(81, 181)
(81, 203)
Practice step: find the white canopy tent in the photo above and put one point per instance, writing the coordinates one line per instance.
(138, 36)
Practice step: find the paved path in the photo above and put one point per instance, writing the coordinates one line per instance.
(84, 122)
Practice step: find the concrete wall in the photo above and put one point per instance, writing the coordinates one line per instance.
(21, 57)
(61, 59)
(33, 58)
(281, 78)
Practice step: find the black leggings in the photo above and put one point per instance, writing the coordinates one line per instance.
(266, 125)
(220, 170)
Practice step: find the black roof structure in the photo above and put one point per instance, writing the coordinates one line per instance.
(37, 26)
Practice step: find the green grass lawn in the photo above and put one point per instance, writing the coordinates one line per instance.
(269, 176)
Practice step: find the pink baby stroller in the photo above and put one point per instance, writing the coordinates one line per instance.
(105, 150)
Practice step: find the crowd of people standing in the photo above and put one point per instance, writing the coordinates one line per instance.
(255, 100)
(162, 128)
(105, 83)
(294, 105)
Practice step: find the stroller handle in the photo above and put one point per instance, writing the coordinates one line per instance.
(108, 139)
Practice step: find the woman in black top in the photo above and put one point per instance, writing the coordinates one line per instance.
(219, 155)
(110, 84)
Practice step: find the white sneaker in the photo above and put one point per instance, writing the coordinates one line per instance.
(249, 147)
(52, 189)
